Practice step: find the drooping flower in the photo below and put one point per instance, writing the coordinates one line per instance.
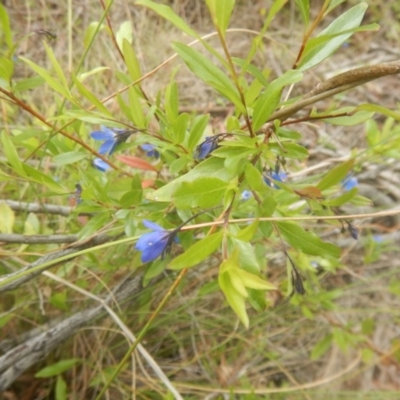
(206, 147)
(150, 150)
(349, 183)
(155, 243)
(279, 177)
(101, 165)
(111, 137)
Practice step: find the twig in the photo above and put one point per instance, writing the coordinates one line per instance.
(37, 239)
(338, 84)
(67, 254)
(38, 208)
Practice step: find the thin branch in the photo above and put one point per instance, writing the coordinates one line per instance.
(39, 208)
(338, 84)
(67, 254)
(37, 239)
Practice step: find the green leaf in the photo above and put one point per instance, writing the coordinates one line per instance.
(268, 101)
(124, 33)
(6, 69)
(172, 101)
(354, 119)
(131, 60)
(57, 368)
(28, 84)
(95, 223)
(203, 192)
(202, 67)
(5, 27)
(57, 86)
(246, 234)
(11, 153)
(57, 67)
(307, 242)
(336, 175)
(252, 281)
(292, 150)
(221, 11)
(179, 127)
(135, 106)
(379, 109)
(61, 389)
(254, 177)
(304, 7)
(233, 297)
(197, 252)
(169, 15)
(7, 218)
(321, 347)
(349, 20)
(211, 167)
(69, 157)
(85, 92)
(197, 129)
(35, 175)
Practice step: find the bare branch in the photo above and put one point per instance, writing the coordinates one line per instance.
(338, 84)
(23, 356)
(38, 208)
(37, 239)
(11, 283)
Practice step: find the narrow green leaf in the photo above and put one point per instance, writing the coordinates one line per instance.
(131, 60)
(124, 33)
(179, 128)
(37, 176)
(91, 97)
(137, 115)
(6, 70)
(197, 252)
(336, 175)
(234, 299)
(202, 67)
(169, 15)
(379, 109)
(69, 158)
(5, 27)
(252, 281)
(267, 102)
(246, 234)
(57, 368)
(57, 86)
(172, 101)
(57, 67)
(197, 129)
(7, 218)
(11, 153)
(304, 7)
(348, 20)
(61, 389)
(307, 242)
(204, 192)
(221, 11)
(28, 84)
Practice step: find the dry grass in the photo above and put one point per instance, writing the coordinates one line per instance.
(196, 340)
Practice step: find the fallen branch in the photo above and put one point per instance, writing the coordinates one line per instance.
(37, 239)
